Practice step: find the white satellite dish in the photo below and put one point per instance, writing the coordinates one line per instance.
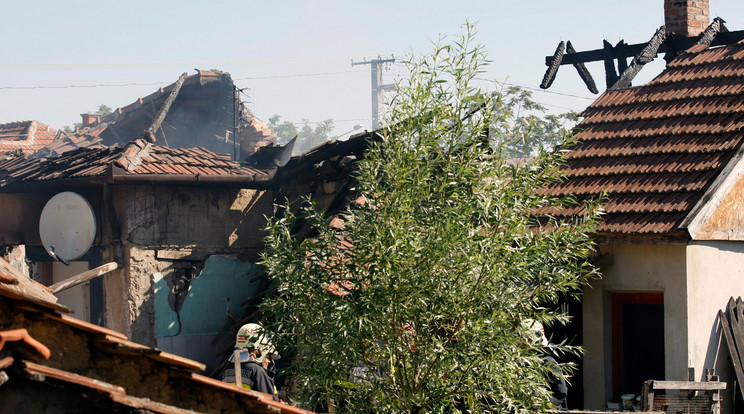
(67, 226)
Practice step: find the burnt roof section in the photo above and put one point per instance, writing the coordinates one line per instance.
(206, 92)
(16, 286)
(32, 330)
(657, 148)
(139, 161)
(26, 136)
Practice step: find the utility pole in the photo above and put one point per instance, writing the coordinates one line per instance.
(377, 86)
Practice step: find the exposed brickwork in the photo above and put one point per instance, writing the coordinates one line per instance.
(686, 18)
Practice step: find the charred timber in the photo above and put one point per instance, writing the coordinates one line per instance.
(583, 73)
(670, 45)
(610, 73)
(555, 63)
(163, 111)
(712, 31)
(646, 55)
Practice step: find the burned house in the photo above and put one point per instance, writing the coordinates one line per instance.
(202, 110)
(183, 226)
(668, 156)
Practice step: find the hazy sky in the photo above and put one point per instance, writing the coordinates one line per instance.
(59, 59)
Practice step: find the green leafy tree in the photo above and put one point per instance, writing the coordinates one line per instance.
(284, 130)
(420, 308)
(307, 137)
(523, 126)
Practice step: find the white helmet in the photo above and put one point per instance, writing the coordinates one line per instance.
(536, 331)
(251, 336)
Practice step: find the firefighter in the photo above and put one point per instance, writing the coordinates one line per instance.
(256, 354)
(539, 342)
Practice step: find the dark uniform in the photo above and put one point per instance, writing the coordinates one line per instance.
(558, 388)
(253, 376)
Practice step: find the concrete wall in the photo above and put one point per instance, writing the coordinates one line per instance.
(715, 274)
(634, 268)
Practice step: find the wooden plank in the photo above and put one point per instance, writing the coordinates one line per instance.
(688, 385)
(83, 277)
(70, 377)
(132, 348)
(27, 289)
(583, 72)
(647, 396)
(728, 335)
(555, 63)
(85, 326)
(736, 320)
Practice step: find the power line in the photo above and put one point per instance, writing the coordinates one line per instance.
(101, 85)
(300, 75)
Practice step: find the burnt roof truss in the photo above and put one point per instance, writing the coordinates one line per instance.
(671, 45)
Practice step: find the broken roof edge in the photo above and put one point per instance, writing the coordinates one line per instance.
(607, 238)
(715, 194)
(119, 176)
(23, 288)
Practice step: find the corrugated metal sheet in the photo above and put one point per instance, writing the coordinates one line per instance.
(655, 149)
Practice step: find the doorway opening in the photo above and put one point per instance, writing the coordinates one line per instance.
(637, 341)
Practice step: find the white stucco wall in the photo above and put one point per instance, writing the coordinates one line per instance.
(715, 274)
(634, 268)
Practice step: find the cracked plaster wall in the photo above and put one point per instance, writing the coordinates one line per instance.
(195, 216)
(158, 219)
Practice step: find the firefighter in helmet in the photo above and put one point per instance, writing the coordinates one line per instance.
(256, 354)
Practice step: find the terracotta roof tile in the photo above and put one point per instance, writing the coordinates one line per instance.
(656, 149)
(27, 136)
(150, 160)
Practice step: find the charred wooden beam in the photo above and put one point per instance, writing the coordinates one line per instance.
(622, 63)
(609, 65)
(163, 111)
(671, 44)
(710, 33)
(555, 63)
(646, 55)
(597, 55)
(583, 73)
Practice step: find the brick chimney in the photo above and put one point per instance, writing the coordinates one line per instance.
(90, 119)
(686, 17)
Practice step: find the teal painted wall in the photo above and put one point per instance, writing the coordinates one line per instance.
(203, 311)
